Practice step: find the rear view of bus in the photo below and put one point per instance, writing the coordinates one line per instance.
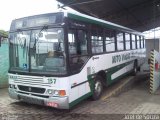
(38, 60)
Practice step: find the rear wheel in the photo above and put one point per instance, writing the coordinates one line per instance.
(135, 69)
(98, 88)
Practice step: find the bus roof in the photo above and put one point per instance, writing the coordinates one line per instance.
(87, 18)
(90, 19)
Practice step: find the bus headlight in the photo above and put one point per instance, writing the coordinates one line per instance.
(56, 92)
(50, 91)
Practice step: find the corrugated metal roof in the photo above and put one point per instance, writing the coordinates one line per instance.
(100, 21)
(140, 15)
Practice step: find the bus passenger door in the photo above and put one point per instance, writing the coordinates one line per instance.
(78, 56)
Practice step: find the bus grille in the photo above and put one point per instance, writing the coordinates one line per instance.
(31, 89)
(30, 80)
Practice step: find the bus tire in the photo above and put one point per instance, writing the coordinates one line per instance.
(98, 88)
(135, 69)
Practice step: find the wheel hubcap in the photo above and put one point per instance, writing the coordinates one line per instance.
(98, 88)
(135, 70)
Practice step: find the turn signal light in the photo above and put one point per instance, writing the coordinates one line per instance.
(62, 93)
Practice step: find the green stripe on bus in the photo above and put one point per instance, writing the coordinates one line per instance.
(79, 99)
(109, 72)
(114, 70)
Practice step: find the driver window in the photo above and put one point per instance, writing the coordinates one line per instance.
(77, 42)
(72, 44)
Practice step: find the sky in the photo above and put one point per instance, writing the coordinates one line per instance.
(153, 33)
(12, 9)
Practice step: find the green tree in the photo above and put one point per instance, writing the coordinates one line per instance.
(4, 33)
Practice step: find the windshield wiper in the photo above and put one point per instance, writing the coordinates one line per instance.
(43, 28)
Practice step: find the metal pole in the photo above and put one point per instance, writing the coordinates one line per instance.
(154, 18)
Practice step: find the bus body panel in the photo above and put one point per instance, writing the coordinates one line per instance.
(104, 62)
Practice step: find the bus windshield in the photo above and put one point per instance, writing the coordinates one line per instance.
(39, 50)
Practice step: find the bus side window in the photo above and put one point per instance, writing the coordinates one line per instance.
(82, 38)
(71, 42)
(133, 42)
(142, 45)
(120, 44)
(109, 40)
(127, 41)
(138, 42)
(97, 41)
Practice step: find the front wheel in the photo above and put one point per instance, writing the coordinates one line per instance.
(98, 88)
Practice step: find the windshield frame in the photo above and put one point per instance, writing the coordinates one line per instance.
(30, 72)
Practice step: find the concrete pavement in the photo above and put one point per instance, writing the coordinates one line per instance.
(135, 100)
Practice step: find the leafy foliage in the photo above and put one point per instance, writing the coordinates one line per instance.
(4, 33)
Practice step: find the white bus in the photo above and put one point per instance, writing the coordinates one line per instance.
(59, 59)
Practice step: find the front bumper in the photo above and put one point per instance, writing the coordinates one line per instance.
(59, 102)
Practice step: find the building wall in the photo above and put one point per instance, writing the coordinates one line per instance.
(152, 44)
(4, 65)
